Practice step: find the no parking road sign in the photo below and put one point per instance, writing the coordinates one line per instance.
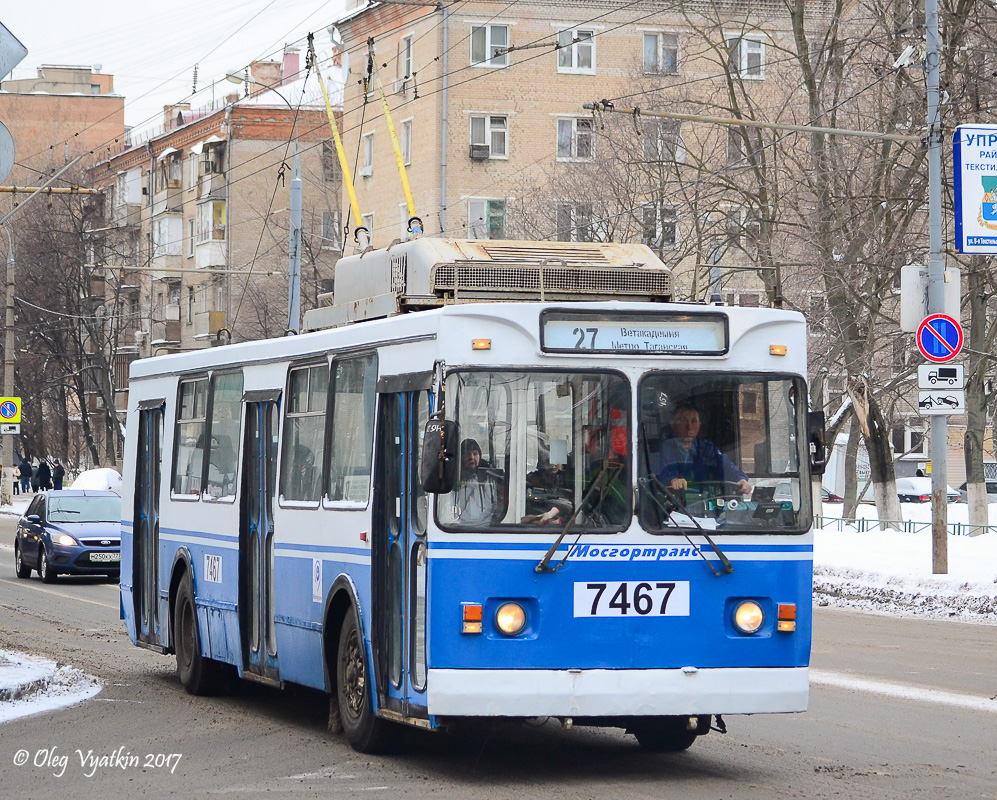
(10, 414)
(939, 338)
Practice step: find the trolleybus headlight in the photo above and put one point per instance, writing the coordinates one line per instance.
(749, 617)
(510, 618)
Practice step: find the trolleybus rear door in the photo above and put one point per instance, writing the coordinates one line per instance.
(399, 555)
(256, 532)
(145, 517)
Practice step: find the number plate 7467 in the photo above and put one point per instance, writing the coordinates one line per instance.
(654, 598)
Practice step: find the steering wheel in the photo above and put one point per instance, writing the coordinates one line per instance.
(724, 491)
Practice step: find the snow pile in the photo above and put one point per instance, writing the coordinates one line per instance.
(30, 685)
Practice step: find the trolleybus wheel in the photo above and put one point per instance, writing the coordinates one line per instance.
(23, 570)
(664, 735)
(199, 675)
(364, 731)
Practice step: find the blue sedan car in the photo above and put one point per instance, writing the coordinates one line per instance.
(71, 532)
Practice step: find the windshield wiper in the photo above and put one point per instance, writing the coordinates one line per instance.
(679, 505)
(542, 566)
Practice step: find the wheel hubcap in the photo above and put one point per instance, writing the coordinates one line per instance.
(354, 678)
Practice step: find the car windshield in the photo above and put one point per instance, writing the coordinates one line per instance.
(722, 452)
(84, 509)
(539, 449)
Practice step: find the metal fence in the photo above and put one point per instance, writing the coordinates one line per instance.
(907, 526)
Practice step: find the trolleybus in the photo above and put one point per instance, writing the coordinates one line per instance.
(475, 510)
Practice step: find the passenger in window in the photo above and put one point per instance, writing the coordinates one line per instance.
(686, 458)
(476, 498)
(303, 476)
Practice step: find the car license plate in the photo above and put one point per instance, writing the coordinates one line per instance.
(652, 598)
(105, 557)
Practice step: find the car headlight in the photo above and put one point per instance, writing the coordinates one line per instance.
(748, 617)
(66, 539)
(510, 618)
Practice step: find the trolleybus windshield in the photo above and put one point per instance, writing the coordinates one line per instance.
(539, 449)
(722, 452)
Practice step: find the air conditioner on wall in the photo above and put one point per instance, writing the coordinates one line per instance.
(479, 152)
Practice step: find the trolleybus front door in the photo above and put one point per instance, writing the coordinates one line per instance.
(259, 641)
(399, 555)
(145, 530)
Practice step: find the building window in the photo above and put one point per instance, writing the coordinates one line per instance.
(167, 236)
(405, 58)
(661, 53)
(486, 219)
(190, 238)
(747, 56)
(659, 226)
(330, 230)
(211, 221)
(737, 150)
(367, 165)
(405, 141)
(491, 133)
(489, 45)
(576, 51)
(368, 223)
(574, 222)
(661, 141)
(908, 438)
(330, 162)
(193, 171)
(190, 305)
(575, 139)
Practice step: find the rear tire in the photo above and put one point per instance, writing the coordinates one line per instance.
(665, 735)
(23, 570)
(45, 572)
(199, 675)
(365, 732)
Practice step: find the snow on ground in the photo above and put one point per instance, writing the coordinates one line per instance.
(30, 685)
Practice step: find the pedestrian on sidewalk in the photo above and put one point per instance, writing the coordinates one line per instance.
(34, 478)
(25, 468)
(58, 473)
(44, 476)
(17, 479)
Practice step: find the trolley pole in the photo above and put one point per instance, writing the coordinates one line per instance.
(936, 292)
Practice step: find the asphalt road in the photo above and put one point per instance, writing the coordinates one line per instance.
(922, 725)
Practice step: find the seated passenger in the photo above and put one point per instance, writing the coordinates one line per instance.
(686, 458)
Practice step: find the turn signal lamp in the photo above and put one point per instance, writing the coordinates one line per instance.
(510, 618)
(777, 349)
(787, 617)
(481, 344)
(748, 617)
(472, 618)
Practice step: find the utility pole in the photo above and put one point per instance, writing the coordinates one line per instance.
(936, 291)
(294, 245)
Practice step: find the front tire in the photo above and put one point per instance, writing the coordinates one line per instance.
(45, 571)
(365, 732)
(23, 570)
(199, 675)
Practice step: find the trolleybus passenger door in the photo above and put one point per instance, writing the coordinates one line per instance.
(145, 530)
(256, 532)
(400, 555)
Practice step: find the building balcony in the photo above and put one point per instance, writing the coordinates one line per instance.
(210, 254)
(211, 184)
(207, 324)
(169, 199)
(128, 215)
(165, 267)
(166, 332)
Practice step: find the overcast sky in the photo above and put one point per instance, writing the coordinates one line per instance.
(151, 50)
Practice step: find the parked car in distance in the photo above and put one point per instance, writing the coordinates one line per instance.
(830, 497)
(991, 492)
(918, 490)
(69, 531)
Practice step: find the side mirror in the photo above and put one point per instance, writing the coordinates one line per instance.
(439, 456)
(33, 518)
(815, 439)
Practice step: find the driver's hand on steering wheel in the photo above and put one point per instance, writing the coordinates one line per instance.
(744, 486)
(678, 483)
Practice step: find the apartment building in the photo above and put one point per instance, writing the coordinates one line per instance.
(197, 216)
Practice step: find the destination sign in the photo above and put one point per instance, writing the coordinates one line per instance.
(639, 333)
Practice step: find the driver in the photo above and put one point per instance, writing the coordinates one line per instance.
(686, 458)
